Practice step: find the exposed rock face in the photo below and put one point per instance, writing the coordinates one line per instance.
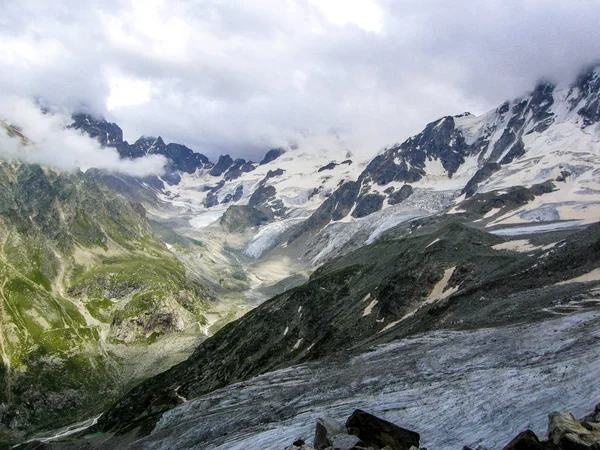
(337, 206)
(224, 162)
(400, 195)
(238, 167)
(379, 433)
(109, 134)
(484, 203)
(565, 432)
(272, 155)
(481, 175)
(181, 158)
(262, 195)
(273, 174)
(515, 152)
(240, 218)
(329, 166)
(406, 162)
(584, 96)
(238, 194)
(368, 205)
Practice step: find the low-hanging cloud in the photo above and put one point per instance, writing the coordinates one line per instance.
(49, 142)
(239, 77)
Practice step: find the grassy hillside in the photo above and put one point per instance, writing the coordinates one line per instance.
(82, 276)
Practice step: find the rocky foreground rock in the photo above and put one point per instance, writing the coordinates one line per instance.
(364, 431)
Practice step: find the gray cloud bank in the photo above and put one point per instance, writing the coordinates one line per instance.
(50, 143)
(239, 77)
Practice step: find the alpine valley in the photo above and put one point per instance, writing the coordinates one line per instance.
(450, 284)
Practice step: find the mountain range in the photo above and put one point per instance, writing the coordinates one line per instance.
(242, 277)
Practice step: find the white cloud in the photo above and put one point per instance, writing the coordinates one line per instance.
(239, 77)
(57, 146)
(365, 14)
(126, 91)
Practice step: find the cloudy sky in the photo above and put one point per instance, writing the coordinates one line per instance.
(239, 77)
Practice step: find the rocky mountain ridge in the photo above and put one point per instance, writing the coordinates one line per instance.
(421, 239)
(319, 202)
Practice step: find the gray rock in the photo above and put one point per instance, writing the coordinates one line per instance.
(595, 416)
(379, 433)
(224, 162)
(400, 195)
(325, 431)
(272, 155)
(526, 440)
(367, 205)
(568, 433)
(346, 442)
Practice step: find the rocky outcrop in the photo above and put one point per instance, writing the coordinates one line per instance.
(396, 197)
(584, 96)
(108, 134)
(272, 155)
(366, 431)
(224, 162)
(181, 158)
(337, 206)
(239, 167)
(367, 205)
(508, 198)
(326, 431)
(329, 166)
(565, 432)
(480, 176)
(240, 218)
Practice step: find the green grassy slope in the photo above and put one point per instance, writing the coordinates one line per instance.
(81, 273)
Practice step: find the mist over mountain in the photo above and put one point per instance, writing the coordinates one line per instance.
(237, 78)
(310, 224)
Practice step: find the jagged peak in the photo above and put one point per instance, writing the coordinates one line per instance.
(589, 72)
(156, 139)
(88, 116)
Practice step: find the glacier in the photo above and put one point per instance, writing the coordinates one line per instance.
(455, 388)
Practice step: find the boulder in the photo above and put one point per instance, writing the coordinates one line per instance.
(595, 416)
(526, 440)
(325, 432)
(379, 433)
(568, 433)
